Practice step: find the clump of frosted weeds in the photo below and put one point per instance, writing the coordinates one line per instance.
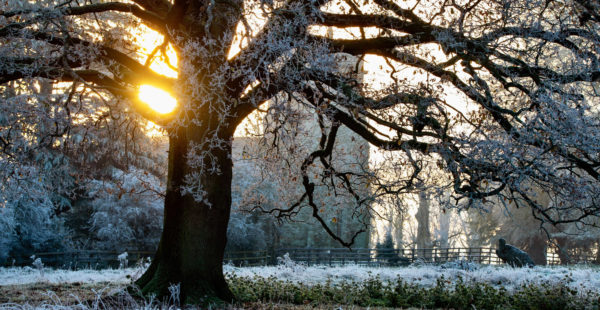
(285, 262)
(461, 264)
(103, 299)
(140, 267)
(37, 263)
(174, 291)
(122, 260)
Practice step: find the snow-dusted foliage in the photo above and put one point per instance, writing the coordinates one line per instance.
(50, 165)
(580, 278)
(246, 233)
(28, 219)
(127, 211)
(60, 141)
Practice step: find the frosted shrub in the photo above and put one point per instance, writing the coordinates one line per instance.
(174, 291)
(127, 211)
(286, 262)
(140, 267)
(244, 234)
(37, 263)
(27, 224)
(122, 260)
(461, 264)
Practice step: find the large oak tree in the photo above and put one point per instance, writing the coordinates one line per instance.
(499, 96)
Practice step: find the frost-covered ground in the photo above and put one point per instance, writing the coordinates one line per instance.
(582, 278)
(28, 275)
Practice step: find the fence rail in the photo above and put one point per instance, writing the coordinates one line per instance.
(582, 258)
(110, 259)
(88, 259)
(309, 256)
(387, 257)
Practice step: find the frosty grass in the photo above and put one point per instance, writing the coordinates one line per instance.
(581, 278)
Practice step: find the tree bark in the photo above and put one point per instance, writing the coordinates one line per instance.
(536, 248)
(423, 232)
(190, 252)
(444, 222)
(562, 251)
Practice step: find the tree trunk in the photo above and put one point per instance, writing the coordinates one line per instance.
(444, 232)
(423, 232)
(536, 248)
(190, 252)
(562, 251)
(397, 227)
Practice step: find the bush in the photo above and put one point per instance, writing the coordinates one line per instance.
(399, 294)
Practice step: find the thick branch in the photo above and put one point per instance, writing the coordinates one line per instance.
(91, 76)
(368, 20)
(309, 187)
(371, 45)
(154, 20)
(139, 74)
(158, 7)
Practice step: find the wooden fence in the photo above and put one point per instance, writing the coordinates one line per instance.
(388, 257)
(554, 259)
(395, 257)
(109, 259)
(88, 259)
(249, 258)
(308, 256)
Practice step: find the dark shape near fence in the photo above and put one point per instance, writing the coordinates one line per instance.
(513, 255)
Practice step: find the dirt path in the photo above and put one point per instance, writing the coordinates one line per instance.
(55, 294)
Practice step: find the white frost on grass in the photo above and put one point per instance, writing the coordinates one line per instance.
(28, 275)
(581, 278)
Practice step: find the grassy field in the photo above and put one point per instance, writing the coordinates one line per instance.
(106, 296)
(294, 286)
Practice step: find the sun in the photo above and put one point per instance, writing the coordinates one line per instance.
(158, 99)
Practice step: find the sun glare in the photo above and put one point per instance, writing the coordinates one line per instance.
(158, 99)
(164, 64)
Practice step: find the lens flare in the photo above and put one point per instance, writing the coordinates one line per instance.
(158, 99)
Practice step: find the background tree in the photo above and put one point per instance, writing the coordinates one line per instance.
(500, 93)
(423, 228)
(267, 165)
(387, 254)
